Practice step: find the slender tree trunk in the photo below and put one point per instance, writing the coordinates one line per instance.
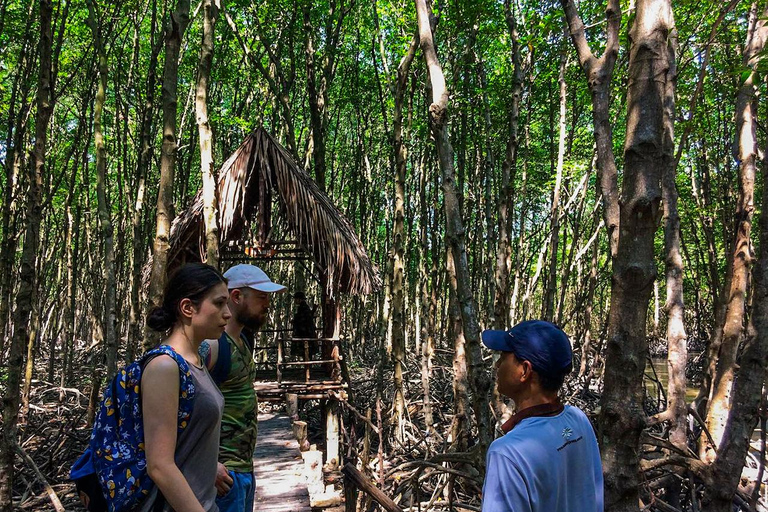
(398, 238)
(460, 426)
(677, 346)
(521, 235)
(746, 143)
(177, 24)
(146, 155)
(599, 72)
(586, 347)
(105, 220)
(427, 337)
(70, 313)
(210, 199)
(97, 333)
(748, 385)
(634, 269)
(316, 104)
(27, 274)
(317, 86)
(549, 300)
(501, 306)
(29, 367)
(478, 377)
(14, 163)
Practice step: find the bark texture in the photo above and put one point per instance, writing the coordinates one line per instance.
(398, 238)
(177, 24)
(455, 234)
(721, 399)
(634, 270)
(599, 72)
(677, 346)
(210, 199)
(27, 275)
(748, 386)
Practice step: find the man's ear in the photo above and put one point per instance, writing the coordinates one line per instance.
(527, 371)
(236, 296)
(187, 308)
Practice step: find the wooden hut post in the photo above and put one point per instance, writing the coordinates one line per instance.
(332, 452)
(331, 325)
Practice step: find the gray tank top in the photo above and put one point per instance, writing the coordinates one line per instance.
(197, 448)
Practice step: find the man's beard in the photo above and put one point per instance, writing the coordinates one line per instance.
(252, 322)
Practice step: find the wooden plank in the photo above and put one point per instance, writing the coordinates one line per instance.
(309, 363)
(280, 485)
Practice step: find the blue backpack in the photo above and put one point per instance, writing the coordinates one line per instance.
(112, 473)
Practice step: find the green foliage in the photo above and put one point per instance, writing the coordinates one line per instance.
(473, 41)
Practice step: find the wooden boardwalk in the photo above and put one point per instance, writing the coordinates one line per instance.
(280, 484)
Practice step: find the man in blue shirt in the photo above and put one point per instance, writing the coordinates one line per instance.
(548, 459)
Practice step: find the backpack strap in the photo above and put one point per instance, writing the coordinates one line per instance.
(186, 384)
(220, 370)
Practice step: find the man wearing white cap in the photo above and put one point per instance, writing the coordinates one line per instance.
(231, 364)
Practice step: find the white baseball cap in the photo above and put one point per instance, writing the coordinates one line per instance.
(251, 276)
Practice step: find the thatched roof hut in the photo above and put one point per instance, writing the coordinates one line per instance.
(258, 171)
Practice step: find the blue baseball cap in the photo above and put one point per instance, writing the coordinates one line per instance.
(542, 343)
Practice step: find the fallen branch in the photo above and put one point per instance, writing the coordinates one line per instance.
(356, 478)
(48, 489)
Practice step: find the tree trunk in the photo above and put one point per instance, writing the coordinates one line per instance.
(70, 315)
(316, 104)
(146, 155)
(14, 163)
(438, 113)
(748, 385)
(677, 346)
(210, 199)
(501, 305)
(521, 235)
(174, 31)
(586, 347)
(460, 426)
(746, 114)
(599, 73)
(398, 238)
(427, 319)
(634, 269)
(27, 274)
(29, 368)
(549, 300)
(105, 220)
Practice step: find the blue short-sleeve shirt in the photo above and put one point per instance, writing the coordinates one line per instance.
(545, 464)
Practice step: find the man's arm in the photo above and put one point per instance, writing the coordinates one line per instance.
(209, 353)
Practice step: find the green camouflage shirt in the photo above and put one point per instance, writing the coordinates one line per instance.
(239, 420)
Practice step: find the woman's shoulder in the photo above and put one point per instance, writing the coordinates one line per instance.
(161, 365)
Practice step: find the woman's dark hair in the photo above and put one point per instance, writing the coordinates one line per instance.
(193, 281)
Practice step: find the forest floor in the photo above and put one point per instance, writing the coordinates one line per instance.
(54, 434)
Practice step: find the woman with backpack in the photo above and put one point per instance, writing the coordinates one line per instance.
(182, 453)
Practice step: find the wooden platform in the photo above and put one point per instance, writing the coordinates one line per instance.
(280, 484)
(294, 381)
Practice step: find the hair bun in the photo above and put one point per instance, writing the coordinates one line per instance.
(159, 319)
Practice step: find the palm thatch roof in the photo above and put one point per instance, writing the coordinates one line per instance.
(259, 168)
